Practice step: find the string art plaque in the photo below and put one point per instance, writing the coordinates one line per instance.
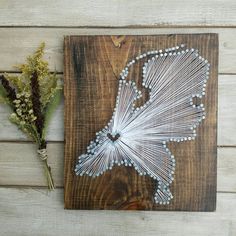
(140, 122)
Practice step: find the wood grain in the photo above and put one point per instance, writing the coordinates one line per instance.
(92, 67)
(27, 212)
(103, 13)
(19, 161)
(226, 166)
(21, 42)
(21, 166)
(226, 117)
(227, 106)
(10, 132)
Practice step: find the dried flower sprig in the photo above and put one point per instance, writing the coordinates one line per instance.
(33, 96)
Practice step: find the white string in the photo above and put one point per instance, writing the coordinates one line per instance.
(42, 154)
(138, 136)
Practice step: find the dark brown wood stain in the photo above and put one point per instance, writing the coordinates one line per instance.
(92, 68)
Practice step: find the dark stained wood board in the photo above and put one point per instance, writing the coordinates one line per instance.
(92, 68)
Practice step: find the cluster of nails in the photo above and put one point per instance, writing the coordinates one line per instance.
(162, 194)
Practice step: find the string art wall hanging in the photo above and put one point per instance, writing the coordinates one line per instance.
(140, 122)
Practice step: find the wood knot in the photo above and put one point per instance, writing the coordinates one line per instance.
(118, 40)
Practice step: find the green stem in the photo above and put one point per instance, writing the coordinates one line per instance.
(48, 174)
(47, 168)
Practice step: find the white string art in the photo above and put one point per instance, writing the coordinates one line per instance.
(137, 136)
